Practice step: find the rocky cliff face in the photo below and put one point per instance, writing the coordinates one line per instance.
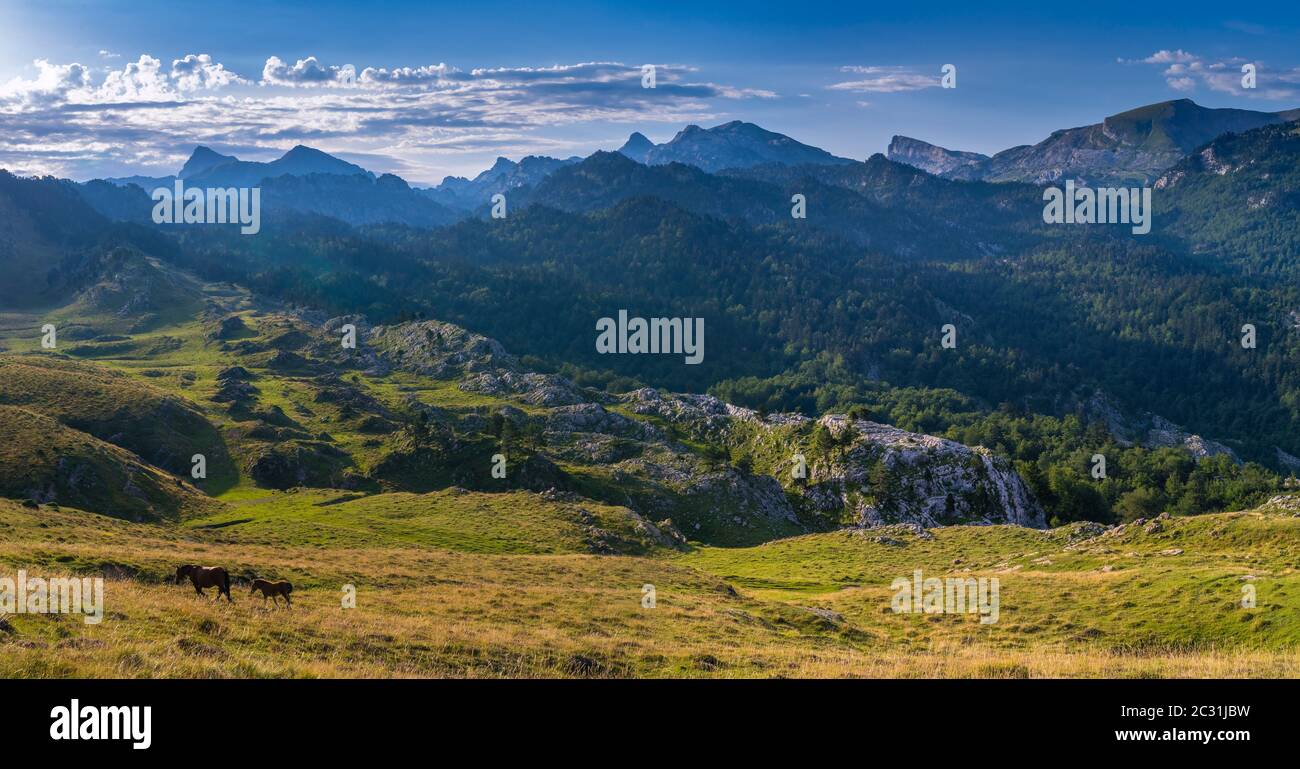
(1150, 430)
(861, 473)
(885, 475)
(952, 164)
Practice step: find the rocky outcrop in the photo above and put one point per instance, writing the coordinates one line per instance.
(436, 349)
(868, 474)
(881, 475)
(1150, 430)
(535, 389)
(230, 327)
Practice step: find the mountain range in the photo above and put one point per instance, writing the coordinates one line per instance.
(1131, 147)
(505, 175)
(207, 168)
(1136, 146)
(886, 252)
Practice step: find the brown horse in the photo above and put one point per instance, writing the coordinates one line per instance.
(272, 589)
(206, 576)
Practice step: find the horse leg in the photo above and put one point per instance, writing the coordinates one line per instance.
(287, 601)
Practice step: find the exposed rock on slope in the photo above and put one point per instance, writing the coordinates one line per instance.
(444, 351)
(1151, 430)
(873, 474)
(714, 471)
(953, 164)
(869, 474)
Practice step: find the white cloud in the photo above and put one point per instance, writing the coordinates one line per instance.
(1186, 72)
(143, 79)
(1169, 57)
(146, 116)
(199, 72)
(885, 80)
(53, 81)
(306, 72)
(405, 76)
(140, 80)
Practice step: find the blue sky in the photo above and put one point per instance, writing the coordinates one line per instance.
(118, 88)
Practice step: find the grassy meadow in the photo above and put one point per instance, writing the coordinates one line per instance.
(466, 583)
(498, 586)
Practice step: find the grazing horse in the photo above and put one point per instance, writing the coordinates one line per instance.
(272, 589)
(206, 576)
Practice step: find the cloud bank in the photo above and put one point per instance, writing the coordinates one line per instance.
(1188, 72)
(71, 119)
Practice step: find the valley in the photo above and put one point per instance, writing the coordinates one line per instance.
(427, 419)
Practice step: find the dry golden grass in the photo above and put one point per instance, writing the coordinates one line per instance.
(491, 629)
(422, 611)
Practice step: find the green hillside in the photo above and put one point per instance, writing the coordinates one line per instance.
(43, 460)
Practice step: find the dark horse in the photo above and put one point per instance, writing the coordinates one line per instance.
(206, 576)
(272, 589)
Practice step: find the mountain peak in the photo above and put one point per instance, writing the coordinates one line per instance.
(303, 151)
(203, 159)
(735, 144)
(1180, 125)
(501, 167)
(637, 147)
(214, 169)
(932, 158)
(303, 160)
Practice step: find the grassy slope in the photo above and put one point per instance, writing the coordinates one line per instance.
(512, 522)
(473, 584)
(164, 430)
(438, 593)
(1131, 591)
(39, 456)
